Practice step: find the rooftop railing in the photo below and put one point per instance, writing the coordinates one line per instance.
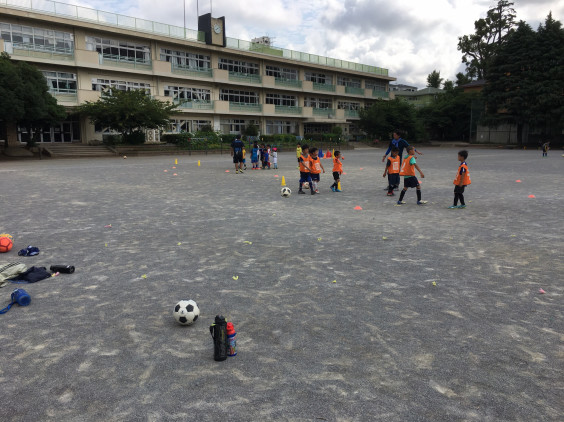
(86, 14)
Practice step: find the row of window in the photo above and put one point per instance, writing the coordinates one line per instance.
(37, 38)
(119, 50)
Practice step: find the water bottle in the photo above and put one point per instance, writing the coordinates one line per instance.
(218, 331)
(21, 297)
(67, 269)
(231, 340)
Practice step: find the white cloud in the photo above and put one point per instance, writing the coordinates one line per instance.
(411, 38)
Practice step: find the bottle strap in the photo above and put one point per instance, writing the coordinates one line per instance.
(7, 308)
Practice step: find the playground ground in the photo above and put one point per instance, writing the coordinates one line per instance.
(389, 313)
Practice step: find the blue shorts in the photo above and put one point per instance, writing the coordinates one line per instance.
(305, 176)
(394, 179)
(410, 182)
(315, 177)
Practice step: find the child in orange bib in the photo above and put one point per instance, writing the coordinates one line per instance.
(316, 168)
(337, 171)
(461, 181)
(393, 171)
(407, 170)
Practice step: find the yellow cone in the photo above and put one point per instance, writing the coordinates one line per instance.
(176, 161)
(333, 155)
(283, 183)
(198, 163)
(339, 185)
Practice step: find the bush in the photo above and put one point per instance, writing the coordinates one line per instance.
(134, 138)
(177, 138)
(112, 140)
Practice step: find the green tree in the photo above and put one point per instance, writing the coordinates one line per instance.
(462, 79)
(128, 112)
(434, 79)
(251, 130)
(25, 99)
(384, 117)
(478, 48)
(448, 85)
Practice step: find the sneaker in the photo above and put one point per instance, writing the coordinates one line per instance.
(461, 206)
(236, 171)
(301, 192)
(401, 202)
(453, 207)
(240, 170)
(390, 194)
(421, 202)
(316, 190)
(333, 188)
(338, 190)
(313, 192)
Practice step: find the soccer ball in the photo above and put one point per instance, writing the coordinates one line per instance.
(6, 243)
(285, 192)
(186, 312)
(305, 185)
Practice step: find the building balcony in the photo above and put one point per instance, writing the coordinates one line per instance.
(290, 83)
(351, 114)
(354, 90)
(323, 87)
(287, 110)
(39, 51)
(198, 72)
(124, 62)
(244, 77)
(328, 113)
(247, 108)
(194, 105)
(65, 95)
(380, 94)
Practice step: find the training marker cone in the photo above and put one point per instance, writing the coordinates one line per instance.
(175, 161)
(283, 183)
(333, 153)
(198, 163)
(339, 185)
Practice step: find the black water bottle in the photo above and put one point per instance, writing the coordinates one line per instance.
(218, 331)
(67, 269)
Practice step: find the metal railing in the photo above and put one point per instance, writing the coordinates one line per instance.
(354, 90)
(65, 95)
(323, 87)
(194, 105)
(324, 112)
(380, 94)
(287, 110)
(121, 61)
(292, 83)
(199, 72)
(39, 51)
(351, 113)
(254, 108)
(245, 77)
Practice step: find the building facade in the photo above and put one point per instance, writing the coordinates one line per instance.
(420, 98)
(218, 81)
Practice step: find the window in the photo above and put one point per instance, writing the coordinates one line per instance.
(375, 85)
(319, 78)
(119, 50)
(235, 125)
(238, 66)
(185, 59)
(282, 73)
(183, 125)
(317, 128)
(282, 100)
(241, 97)
(37, 38)
(350, 82)
(109, 84)
(323, 103)
(274, 127)
(60, 82)
(347, 105)
(188, 94)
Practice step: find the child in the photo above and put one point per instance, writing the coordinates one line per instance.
(407, 170)
(254, 156)
(305, 169)
(545, 148)
(316, 168)
(298, 153)
(393, 170)
(266, 158)
(337, 171)
(244, 158)
(462, 180)
(275, 157)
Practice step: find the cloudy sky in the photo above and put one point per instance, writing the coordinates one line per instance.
(411, 38)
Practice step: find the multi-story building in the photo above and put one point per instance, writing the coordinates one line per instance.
(420, 98)
(215, 80)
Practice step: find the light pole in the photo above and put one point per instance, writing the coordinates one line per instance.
(184, 1)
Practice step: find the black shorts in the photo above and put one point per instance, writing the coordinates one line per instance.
(315, 177)
(305, 176)
(459, 189)
(394, 179)
(410, 182)
(238, 158)
(336, 175)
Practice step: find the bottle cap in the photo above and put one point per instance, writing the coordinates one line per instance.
(230, 328)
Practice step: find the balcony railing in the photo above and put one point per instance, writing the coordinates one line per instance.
(323, 87)
(354, 90)
(292, 83)
(122, 61)
(380, 94)
(351, 113)
(39, 51)
(287, 110)
(245, 77)
(253, 108)
(328, 113)
(65, 95)
(194, 105)
(198, 72)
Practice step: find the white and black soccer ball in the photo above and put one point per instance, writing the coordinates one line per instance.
(305, 185)
(186, 312)
(285, 191)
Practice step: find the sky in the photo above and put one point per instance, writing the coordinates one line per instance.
(410, 38)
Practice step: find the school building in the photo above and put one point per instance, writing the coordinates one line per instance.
(215, 80)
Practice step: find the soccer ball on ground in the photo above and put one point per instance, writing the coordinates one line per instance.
(186, 312)
(285, 192)
(5, 243)
(305, 185)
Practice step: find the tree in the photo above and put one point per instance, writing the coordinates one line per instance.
(25, 99)
(480, 47)
(384, 117)
(434, 79)
(462, 79)
(128, 112)
(448, 85)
